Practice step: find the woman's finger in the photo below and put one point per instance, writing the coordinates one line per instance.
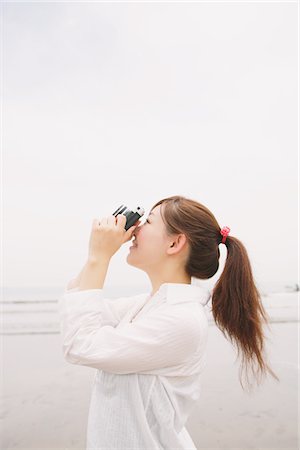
(111, 220)
(121, 220)
(130, 231)
(103, 221)
(96, 223)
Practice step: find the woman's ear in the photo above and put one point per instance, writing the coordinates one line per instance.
(179, 242)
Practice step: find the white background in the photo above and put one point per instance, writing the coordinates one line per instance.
(126, 103)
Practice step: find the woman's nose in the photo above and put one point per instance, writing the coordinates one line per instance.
(136, 231)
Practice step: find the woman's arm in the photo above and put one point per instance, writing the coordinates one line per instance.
(104, 241)
(74, 283)
(94, 273)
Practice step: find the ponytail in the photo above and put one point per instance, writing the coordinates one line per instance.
(239, 313)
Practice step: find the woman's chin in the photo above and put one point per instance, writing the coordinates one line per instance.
(130, 252)
(130, 259)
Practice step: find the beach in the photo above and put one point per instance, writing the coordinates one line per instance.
(45, 400)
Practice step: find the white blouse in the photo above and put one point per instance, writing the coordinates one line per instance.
(149, 353)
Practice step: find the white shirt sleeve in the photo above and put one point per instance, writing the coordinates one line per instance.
(110, 311)
(166, 336)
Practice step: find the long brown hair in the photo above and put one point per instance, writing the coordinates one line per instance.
(236, 302)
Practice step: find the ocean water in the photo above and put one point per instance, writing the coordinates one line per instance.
(34, 310)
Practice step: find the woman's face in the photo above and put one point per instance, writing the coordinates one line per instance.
(151, 242)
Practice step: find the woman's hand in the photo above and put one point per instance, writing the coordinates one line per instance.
(108, 235)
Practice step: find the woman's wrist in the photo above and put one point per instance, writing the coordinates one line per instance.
(94, 273)
(94, 261)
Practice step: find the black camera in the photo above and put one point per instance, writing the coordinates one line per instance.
(132, 216)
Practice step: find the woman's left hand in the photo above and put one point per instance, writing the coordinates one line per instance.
(108, 235)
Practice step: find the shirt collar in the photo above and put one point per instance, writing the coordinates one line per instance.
(183, 292)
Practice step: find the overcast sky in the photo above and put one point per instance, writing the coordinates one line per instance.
(126, 103)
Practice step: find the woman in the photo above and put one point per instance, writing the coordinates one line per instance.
(149, 349)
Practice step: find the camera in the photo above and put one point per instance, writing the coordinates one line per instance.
(132, 216)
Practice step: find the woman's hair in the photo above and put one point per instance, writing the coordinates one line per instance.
(236, 303)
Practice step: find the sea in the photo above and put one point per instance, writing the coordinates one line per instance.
(34, 310)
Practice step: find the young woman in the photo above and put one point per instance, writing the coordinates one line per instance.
(150, 349)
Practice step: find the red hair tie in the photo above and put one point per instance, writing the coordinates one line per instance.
(224, 232)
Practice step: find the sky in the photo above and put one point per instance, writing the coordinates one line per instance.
(110, 103)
